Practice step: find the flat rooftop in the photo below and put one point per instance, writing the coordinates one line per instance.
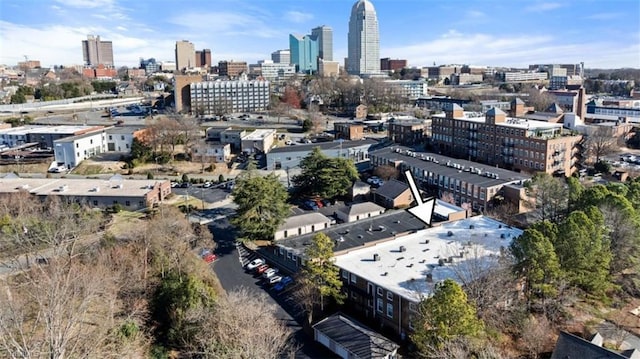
(451, 167)
(363, 232)
(479, 238)
(510, 122)
(323, 146)
(78, 187)
(259, 134)
(23, 130)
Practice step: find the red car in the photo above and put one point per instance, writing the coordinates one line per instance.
(261, 269)
(319, 203)
(210, 257)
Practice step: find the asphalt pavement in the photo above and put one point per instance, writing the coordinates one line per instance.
(229, 269)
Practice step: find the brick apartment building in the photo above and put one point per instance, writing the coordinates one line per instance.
(388, 64)
(409, 132)
(514, 143)
(182, 91)
(348, 131)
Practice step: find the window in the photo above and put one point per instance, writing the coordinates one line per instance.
(389, 310)
(389, 296)
(95, 203)
(289, 255)
(379, 305)
(369, 288)
(122, 137)
(380, 291)
(354, 279)
(345, 274)
(110, 137)
(127, 203)
(280, 250)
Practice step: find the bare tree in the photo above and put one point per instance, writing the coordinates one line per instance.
(386, 172)
(241, 325)
(463, 348)
(535, 336)
(600, 142)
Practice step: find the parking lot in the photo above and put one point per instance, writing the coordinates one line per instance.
(208, 195)
(229, 269)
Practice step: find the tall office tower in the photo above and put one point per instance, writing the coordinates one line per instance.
(203, 58)
(281, 57)
(96, 52)
(304, 52)
(324, 34)
(185, 55)
(364, 40)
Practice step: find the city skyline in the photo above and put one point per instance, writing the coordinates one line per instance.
(602, 34)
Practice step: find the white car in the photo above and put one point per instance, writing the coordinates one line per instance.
(288, 142)
(255, 263)
(275, 279)
(206, 185)
(270, 273)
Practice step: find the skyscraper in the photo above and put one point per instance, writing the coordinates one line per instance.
(324, 34)
(185, 55)
(304, 52)
(96, 52)
(364, 40)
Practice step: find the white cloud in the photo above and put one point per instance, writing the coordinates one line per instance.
(541, 7)
(454, 47)
(224, 23)
(298, 17)
(604, 16)
(86, 4)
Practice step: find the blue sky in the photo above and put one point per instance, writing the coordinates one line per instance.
(602, 33)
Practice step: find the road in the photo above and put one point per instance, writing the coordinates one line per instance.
(229, 270)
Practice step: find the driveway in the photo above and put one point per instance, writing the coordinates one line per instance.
(229, 270)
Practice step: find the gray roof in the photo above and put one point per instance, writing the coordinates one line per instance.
(518, 101)
(323, 146)
(356, 338)
(554, 108)
(360, 184)
(355, 234)
(361, 208)
(495, 111)
(392, 189)
(452, 106)
(303, 220)
(124, 130)
(441, 168)
(571, 346)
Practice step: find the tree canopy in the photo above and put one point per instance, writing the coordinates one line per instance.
(325, 177)
(446, 315)
(262, 206)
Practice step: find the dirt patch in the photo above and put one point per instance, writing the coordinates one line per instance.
(174, 168)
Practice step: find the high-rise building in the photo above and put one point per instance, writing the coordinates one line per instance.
(185, 55)
(96, 52)
(364, 40)
(304, 52)
(203, 59)
(281, 56)
(324, 34)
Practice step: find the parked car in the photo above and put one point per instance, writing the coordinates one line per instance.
(207, 185)
(262, 268)
(275, 279)
(270, 273)
(326, 202)
(210, 258)
(319, 203)
(255, 263)
(285, 281)
(310, 205)
(288, 142)
(185, 185)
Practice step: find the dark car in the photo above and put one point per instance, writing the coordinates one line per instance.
(282, 283)
(185, 185)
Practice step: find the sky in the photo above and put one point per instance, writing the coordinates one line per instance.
(512, 33)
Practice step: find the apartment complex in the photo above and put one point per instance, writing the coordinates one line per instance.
(363, 40)
(214, 97)
(385, 282)
(324, 36)
(97, 52)
(514, 143)
(468, 182)
(203, 59)
(523, 76)
(276, 72)
(231, 69)
(348, 131)
(185, 55)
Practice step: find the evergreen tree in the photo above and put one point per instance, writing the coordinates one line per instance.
(320, 271)
(325, 177)
(583, 250)
(536, 260)
(262, 206)
(444, 316)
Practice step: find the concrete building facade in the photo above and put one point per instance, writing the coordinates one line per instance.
(97, 52)
(70, 151)
(185, 55)
(281, 56)
(290, 156)
(328, 68)
(324, 36)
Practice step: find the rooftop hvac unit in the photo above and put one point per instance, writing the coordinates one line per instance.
(403, 249)
(376, 257)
